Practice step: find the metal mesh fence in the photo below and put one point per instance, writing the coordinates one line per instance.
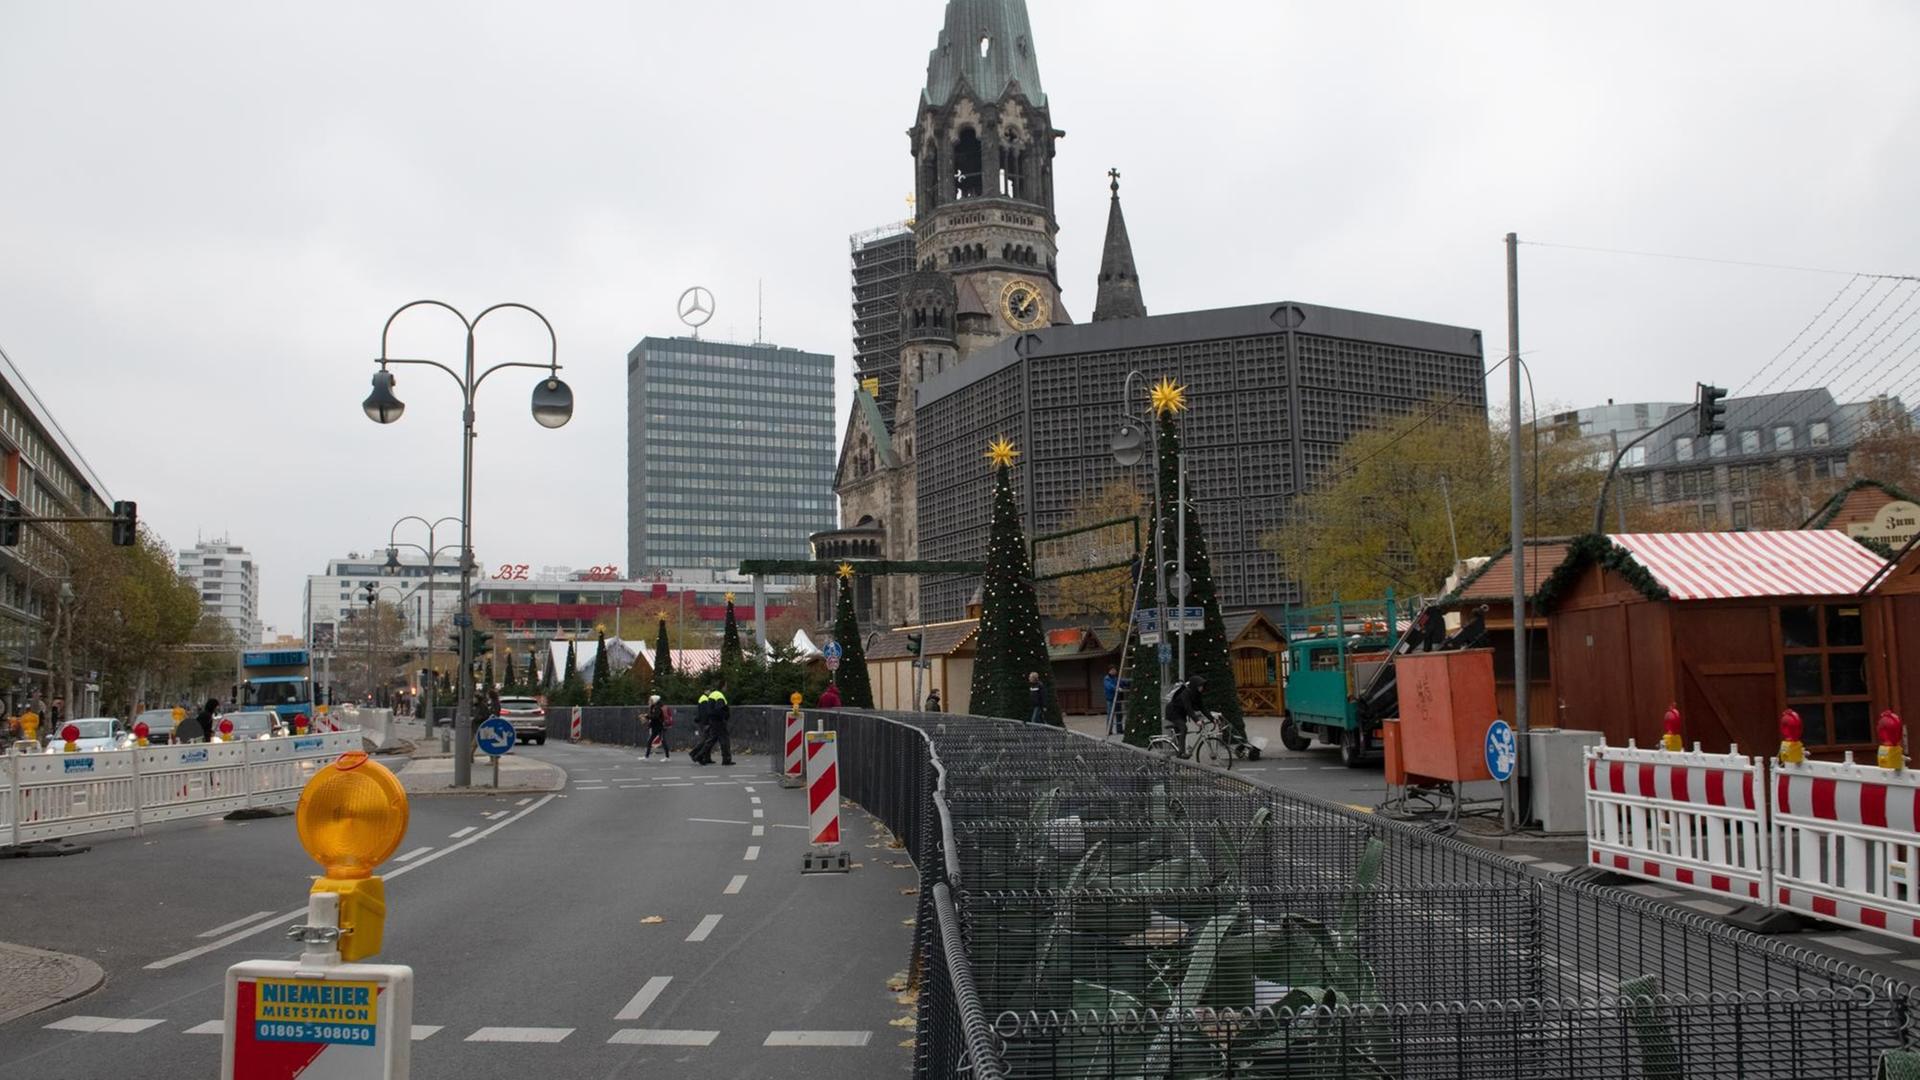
(1088, 910)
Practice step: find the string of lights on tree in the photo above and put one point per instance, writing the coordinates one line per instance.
(730, 651)
(856, 688)
(1011, 641)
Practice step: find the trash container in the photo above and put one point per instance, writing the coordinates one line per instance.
(1556, 758)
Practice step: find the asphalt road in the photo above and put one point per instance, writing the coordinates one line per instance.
(522, 917)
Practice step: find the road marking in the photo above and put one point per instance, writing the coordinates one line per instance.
(520, 1034)
(818, 1038)
(752, 853)
(522, 802)
(1552, 867)
(498, 814)
(759, 830)
(236, 924)
(663, 1037)
(759, 813)
(783, 825)
(644, 998)
(1908, 963)
(734, 886)
(237, 935)
(1524, 858)
(462, 832)
(424, 1031)
(719, 783)
(683, 784)
(1708, 906)
(755, 800)
(1331, 768)
(211, 1027)
(1654, 892)
(750, 791)
(717, 820)
(1289, 768)
(586, 787)
(104, 1024)
(1853, 945)
(700, 932)
(414, 854)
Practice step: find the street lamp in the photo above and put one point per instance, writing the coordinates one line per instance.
(1132, 444)
(392, 566)
(552, 407)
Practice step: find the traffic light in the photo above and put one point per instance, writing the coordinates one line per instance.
(124, 523)
(10, 516)
(914, 642)
(1710, 410)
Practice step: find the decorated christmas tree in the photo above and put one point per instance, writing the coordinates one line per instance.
(1012, 642)
(602, 665)
(1206, 647)
(570, 678)
(662, 656)
(533, 670)
(856, 689)
(730, 652)
(513, 681)
(492, 687)
(546, 673)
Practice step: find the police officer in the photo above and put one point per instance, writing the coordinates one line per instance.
(714, 708)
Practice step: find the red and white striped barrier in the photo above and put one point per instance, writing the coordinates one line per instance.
(1690, 818)
(1846, 840)
(823, 788)
(573, 729)
(796, 744)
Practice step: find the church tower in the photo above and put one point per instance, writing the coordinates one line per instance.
(1119, 294)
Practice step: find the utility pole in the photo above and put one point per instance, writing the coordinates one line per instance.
(1517, 527)
(1184, 584)
(1619, 497)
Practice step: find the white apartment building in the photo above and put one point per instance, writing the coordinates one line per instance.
(229, 584)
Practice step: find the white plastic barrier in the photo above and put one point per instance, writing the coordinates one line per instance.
(1690, 818)
(47, 796)
(1845, 844)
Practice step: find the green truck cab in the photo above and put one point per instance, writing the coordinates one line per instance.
(1334, 653)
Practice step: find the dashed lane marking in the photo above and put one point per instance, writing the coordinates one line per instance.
(749, 790)
(498, 814)
(414, 854)
(752, 853)
(1708, 906)
(640, 1001)
(784, 825)
(663, 1037)
(522, 802)
(759, 830)
(424, 1031)
(759, 813)
(102, 1024)
(818, 1038)
(1654, 892)
(1853, 945)
(462, 832)
(681, 784)
(739, 881)
(755, 800)
(1552, 867)
(236, 924)
(211, 1027)
(520, 1034)
(700, 932)
(1524, 858)
(717, 820)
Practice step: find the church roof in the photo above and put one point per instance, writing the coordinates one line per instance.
(988, 45)
(1119, 292)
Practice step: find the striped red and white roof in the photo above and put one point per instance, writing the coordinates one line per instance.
(1734, 565)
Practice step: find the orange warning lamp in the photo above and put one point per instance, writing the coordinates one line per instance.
(794, 698)
(1792, 750)
(1892, 733)
(1670, 723)
(140, 732)
(352, 816)
(71, 736)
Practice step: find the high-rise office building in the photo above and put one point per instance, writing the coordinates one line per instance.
(882, 259)
(229, 584)
(730, 453)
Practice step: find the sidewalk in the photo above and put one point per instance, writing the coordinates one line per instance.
(33, 979)
(433, 775)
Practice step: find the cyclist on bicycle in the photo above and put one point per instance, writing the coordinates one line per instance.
(1185, 705)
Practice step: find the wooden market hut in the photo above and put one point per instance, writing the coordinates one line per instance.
(1080, 661)
(1256, 647)
(947, 648)
(1734, 628)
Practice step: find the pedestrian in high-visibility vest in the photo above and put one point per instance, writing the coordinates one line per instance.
(715, 712)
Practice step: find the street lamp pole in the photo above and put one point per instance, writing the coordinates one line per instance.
(552, 407)
(1123, 451)
(432, 553)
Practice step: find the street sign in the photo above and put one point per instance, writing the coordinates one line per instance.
(1181, 620)
(924, 665)
(833, 663)
(1182, 584)
(832, 651)
(285, 1019)
(495, 736)
(1502, 750)
(1166, 653)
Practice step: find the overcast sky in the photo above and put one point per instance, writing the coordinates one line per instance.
(207, 210)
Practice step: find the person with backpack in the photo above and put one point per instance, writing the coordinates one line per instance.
(657, 727)
(714, 707)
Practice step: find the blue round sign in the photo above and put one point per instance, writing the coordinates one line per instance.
(494, 735)
(1502, 749)
(832, 651)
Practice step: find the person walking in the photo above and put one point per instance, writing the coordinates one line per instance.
(1111, 684)
(714, 703)
(203, 720)
(657, 727)
(830, 697)
(933, 700)
(1037, 691)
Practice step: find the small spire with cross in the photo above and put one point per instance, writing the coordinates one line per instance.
(1114, 174)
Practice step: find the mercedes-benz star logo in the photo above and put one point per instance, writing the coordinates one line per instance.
(696, 307)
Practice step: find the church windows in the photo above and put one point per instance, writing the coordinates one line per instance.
(968, 165)
(986, 45)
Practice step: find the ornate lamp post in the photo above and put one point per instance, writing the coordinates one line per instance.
(392, 566)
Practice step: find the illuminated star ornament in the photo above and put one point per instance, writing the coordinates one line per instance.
(1001, 452)
(1168, 398)
(846, 571)
(729, 598)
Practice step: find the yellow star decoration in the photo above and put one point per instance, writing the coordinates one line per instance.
(1168, 397)
(729, 598)
(1001, 452)
(846, 571)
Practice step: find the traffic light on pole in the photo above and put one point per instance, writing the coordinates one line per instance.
(10, 517)
(1710, 410)
(914, 641)
(124, 524)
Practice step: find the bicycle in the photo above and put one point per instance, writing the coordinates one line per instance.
(1210, 744)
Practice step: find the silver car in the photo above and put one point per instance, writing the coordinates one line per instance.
(253, 724)
(96, 733)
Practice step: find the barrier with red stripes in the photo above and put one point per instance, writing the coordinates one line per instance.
(796, 744)
(1689, 818)
(1845, 844)
(823, 788)
(573, 731)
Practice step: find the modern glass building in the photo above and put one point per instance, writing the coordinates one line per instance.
(730, 453)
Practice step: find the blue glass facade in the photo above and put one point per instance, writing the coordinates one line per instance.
(730, 452)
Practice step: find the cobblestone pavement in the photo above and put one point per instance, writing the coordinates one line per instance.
(33, 979)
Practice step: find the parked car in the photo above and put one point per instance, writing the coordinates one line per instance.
(160, 725)
(528, 717)
(253, 724)
(96, 733)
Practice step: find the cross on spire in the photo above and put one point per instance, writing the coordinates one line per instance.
(1115, 175)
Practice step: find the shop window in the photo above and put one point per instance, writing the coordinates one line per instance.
(1824, 673)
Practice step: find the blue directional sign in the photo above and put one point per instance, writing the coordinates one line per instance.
(494, 735)
(1166, 653)
(1502, 749)
(832, 651)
